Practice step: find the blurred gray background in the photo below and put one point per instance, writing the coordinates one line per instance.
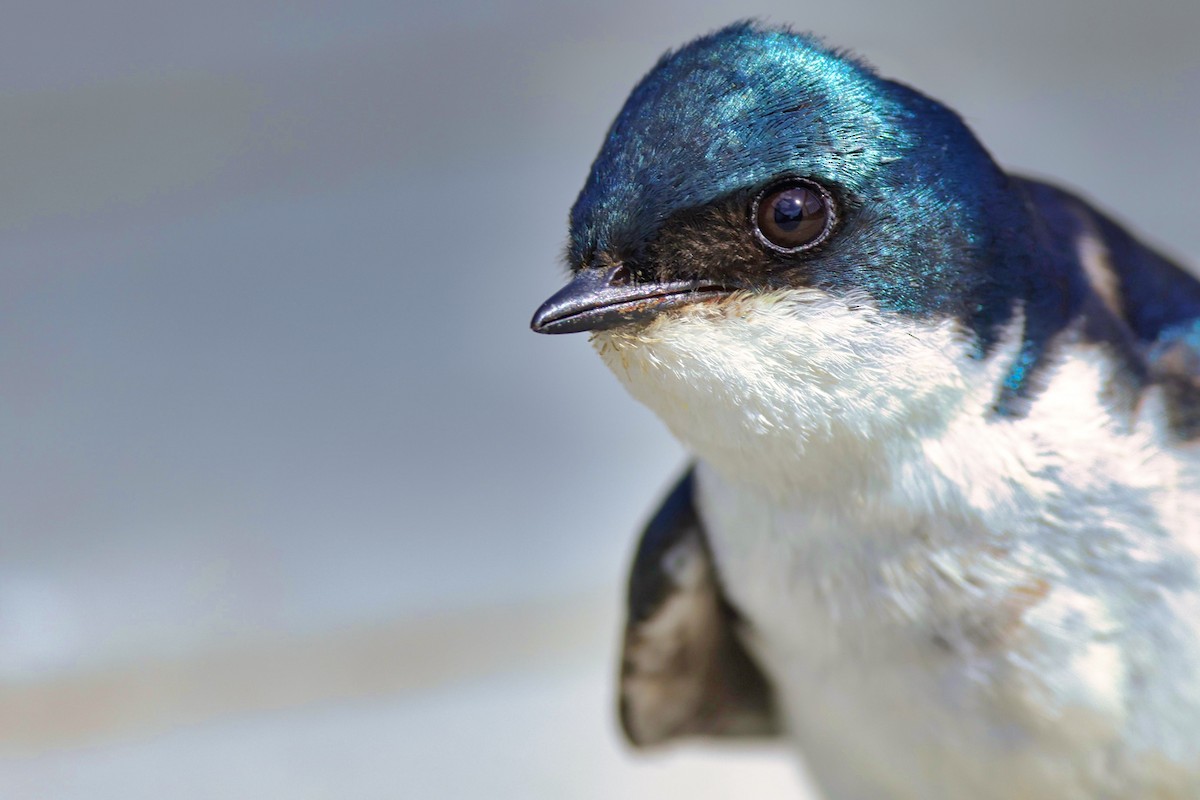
(292, 504)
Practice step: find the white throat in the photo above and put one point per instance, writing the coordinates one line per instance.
(799, 394)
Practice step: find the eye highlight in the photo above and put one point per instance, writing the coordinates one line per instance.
(792, 216)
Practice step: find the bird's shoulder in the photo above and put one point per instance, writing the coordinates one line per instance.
(1141, 303)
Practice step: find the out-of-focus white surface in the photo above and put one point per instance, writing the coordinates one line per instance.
(541, 730)
(439, 745)
(269, 398)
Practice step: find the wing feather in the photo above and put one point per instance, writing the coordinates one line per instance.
(684, 671)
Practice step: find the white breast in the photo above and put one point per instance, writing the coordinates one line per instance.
(949, 606)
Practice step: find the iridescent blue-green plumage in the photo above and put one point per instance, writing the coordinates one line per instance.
(928, 224)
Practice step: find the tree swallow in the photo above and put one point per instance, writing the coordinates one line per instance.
(943, 527)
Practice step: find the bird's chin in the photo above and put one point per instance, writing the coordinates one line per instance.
(708, 370)
(789, 384)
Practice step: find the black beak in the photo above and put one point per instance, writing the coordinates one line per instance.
(599, 299)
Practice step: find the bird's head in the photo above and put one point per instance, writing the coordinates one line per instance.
(769, 224)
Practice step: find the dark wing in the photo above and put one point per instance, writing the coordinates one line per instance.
(1160, 301)
(684, 672)
(1148, 292)
(1154, 300)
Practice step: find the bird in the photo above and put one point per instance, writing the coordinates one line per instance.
(941, 529)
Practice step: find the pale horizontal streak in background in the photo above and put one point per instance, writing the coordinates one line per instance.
(388, 659)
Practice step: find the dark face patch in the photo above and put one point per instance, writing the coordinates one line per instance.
(720, 243)
(713, 242)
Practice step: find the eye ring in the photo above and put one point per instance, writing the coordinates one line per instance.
(797, 215)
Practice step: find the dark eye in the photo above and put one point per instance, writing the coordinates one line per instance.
(793, 216)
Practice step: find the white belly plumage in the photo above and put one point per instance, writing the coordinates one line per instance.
(904, 672)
